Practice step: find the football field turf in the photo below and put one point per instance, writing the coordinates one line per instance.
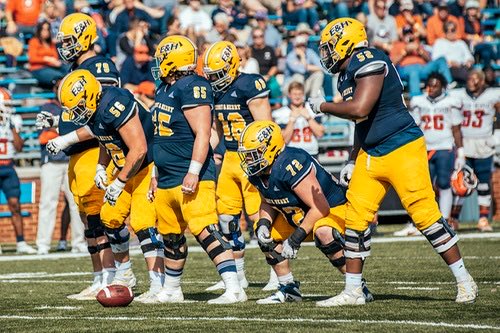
(414, 292)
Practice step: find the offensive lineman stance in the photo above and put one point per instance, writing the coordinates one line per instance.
(239, 100)
(389, 151)
(185, 196)
(124, 130)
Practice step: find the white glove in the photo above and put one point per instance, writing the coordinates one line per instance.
(101, 177)
(113, 191)
(45, 119)
(315, 103)
(460, 160)
(288, 251)
(346, 173)
(263, 234)
(62, 142)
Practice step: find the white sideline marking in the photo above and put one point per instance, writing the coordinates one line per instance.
(417, 288)
(265, 320)
(197, 249)
(43, 281)
(66, 307)
(27, 275)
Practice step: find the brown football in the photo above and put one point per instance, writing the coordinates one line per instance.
(115, 295)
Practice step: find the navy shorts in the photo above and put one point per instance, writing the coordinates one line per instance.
(441, 165)
(483, 168)
(9, 181)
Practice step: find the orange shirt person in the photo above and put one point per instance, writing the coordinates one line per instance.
(21, 14)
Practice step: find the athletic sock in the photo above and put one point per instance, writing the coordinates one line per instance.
(20, 238)
(155, 280)
(445, 202)
(97, 278)
(227, 271)
(108, 274)
(352, 281)
(240, 265)
(459, 271)
(286, 279)
(172, 278)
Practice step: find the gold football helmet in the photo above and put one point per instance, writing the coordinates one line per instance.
(79, 93)
(174, 54)
(77, 33)
(220, 65)
(260, 144)
(338, 41)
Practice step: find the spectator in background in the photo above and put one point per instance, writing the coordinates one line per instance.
(435, 24)
(167, 7)
(382, 28)
(299, 124)
(414, 63)
(455, 51)
(136, 36)
(248, 64)
(268, 62)
(10, 126)
(457, 8)
(221, 25)
(53, 179)
(173, 26)
(474, 34)
(83, 6)
(22, 16)
(129, 12)
(237, 19)
(272, 36)
(297, 11)
(193, 18)
(408, 18)
(137, 68)
(52, 14)
(422, 7)
(145, 92)
(43, 58)
(303, 65)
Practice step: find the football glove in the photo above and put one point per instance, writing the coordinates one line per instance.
(263, 231)
(101, 177)
(346, 173)
(289, 251)
(291, 245)
(62, 142)
(45, 119)
(315, 103)
(113, 191)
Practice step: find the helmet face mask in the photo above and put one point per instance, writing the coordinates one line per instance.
(221, 64)
(329, 57)
(219, 79)
(80, 114)
(68, 47)
(156, 70)
(252, 160)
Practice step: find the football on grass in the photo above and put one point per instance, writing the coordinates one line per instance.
(115, 295)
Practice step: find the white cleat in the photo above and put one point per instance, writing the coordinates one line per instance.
(149, 297)
(466, 291)
(408, 230)
(24, 248)
(87, 294)
(230, 297)
(221, 286)
(125, 278)
(273, 283)
(167, 295)
(356, 297)
(285, 293)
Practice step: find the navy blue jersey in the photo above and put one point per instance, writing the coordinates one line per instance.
(389, 124)
(231, 106)
(116, 107)
(106, 73)
(174, 138)
(289, 169)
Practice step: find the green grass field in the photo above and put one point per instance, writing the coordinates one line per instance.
(414, 292)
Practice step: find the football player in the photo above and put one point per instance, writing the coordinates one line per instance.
(10, 143)
(389, 150)
(75, 44)
(300, 199)
(185, 196)
(439, 117)
(124, 130)
(239, 99)
(480, 105)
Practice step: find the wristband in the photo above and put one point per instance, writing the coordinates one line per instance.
(263, 222)
(100, 167)
(70, 139)
(461, 152)
(120, 183)
(154, 172)
(195, 167)
(297, 237)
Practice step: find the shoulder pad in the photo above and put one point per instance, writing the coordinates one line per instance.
(372, 68)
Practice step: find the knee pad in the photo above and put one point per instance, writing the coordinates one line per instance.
(273, 257)
(173, 244)
(334, 246)
(215, 236)
(95, 227)
(98, 248)
(150, 244)
(484, 194)
(357, 244)
(119, 238)
(230, 227)
(441, 236)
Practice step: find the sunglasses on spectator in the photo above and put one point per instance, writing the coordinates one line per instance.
(380, 7)
(258, 36)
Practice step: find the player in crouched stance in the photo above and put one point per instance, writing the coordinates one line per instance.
(392, 152)
(299, 198)
(185, 196)
(125, 132)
